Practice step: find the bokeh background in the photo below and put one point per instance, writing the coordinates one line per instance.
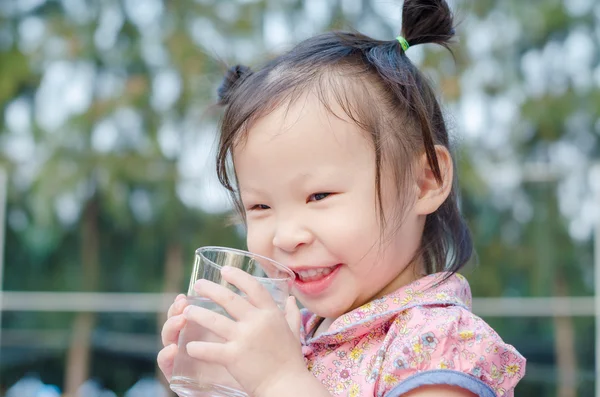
(107, 181)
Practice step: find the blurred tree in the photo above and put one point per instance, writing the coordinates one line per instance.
(129, 178)
(541, 103)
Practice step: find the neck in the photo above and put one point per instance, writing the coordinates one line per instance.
(410, 273)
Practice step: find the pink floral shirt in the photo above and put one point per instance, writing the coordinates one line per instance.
(422, 334)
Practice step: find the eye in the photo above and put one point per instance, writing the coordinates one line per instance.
(259, 207)
(318, 196)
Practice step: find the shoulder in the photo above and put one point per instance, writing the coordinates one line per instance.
(448, 345)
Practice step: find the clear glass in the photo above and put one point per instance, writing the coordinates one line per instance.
(194, 378)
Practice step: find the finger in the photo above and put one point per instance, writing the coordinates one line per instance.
(212, 352)
(256, 292)
(171, 329)
(178, 305)
(166, 359)
(293, 317)
(214, 322)
(234, 304)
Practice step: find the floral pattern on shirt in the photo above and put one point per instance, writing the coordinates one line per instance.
(426, 325)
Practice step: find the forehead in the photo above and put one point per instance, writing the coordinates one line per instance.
(305, 133)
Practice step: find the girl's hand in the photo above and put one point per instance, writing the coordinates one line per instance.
(170, 335)
(260, 349)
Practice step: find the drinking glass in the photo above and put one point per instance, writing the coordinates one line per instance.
(195, 378)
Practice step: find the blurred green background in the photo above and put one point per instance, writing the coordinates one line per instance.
(106, 143)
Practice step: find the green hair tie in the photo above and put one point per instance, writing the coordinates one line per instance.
(403, 43)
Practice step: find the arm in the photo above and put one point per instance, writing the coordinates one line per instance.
(307, 385)
(439, 390)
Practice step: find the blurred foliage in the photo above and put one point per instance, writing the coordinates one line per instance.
(105, 110)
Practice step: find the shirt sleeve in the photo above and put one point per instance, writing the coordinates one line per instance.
(448, 346)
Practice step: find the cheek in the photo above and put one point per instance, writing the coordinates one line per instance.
(257, 239)
(351, 231)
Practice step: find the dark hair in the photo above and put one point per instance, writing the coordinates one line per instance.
(378, 88)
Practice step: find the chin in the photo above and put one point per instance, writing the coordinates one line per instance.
(325, 309)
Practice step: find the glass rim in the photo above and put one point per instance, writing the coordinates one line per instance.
(200, 251)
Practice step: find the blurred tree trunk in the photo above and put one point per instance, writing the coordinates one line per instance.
(550, 279)
(564, 346)
(173, 273)
(78, 357)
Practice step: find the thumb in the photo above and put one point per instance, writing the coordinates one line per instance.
(292, 315)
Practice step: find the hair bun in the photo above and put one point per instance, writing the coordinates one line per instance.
(233, 76)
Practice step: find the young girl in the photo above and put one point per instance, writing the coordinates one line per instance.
(342, 172)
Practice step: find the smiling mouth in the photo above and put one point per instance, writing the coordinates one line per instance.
(308, 275)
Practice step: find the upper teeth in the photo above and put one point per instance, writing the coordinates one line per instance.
(310, 273)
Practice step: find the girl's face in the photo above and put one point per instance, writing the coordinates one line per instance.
(307, 183)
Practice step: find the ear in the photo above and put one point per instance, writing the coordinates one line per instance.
(431, 194)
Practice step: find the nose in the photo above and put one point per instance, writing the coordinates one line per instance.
(291, 235)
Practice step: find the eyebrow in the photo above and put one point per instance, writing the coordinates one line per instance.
(296, 181)
(249, 189)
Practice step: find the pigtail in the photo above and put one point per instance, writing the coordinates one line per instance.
(427, 21)
(447, 244)
(233, 77)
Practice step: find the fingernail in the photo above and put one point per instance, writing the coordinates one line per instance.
(179, 297)
(188, 345)
(187, 310)
(226, 269)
